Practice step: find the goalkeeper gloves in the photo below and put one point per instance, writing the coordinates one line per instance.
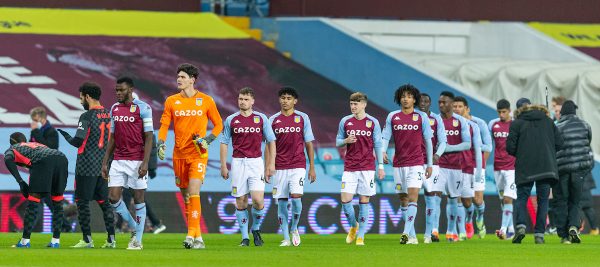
(202, 143)
(205, 142)
(161, 149)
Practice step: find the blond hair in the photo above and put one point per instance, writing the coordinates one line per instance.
(38, 111)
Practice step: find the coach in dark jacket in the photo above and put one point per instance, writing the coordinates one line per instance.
(533, 139)
(41, 130)
(575, 161)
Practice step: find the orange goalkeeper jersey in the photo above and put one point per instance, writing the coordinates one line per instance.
(190, 117)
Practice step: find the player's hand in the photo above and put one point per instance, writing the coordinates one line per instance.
(224, 173)
(143, 170)
(386, 160)
(161, 149)
(63, 133)
(202, 143)
(105, 171)
(428, 172)
(381, 174)
(24, 188)
(269, 171)
(350, 140)
(436, 158)
(267, 178)
(312, 175)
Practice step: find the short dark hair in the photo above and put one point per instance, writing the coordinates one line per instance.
(126, 80)
(447, 94)
(358, 97)
(188, 68)
(425, 95)
(461, 99)
(17, 137)
(92, 89)
(247, 91)
(288, 90)
(502, 104)
(407, 88)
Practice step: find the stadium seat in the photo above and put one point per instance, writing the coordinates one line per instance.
(328, 154)
(331, 161)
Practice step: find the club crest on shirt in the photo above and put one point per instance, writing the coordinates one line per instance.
(455, 123)
(256, 119)
(274, 190)
(343, 185)
(133, 108)
(198, 101)
(297, 119)
(431, 122)
(415, 117)
(398, 187)
(369, 124)
(177, 180)
(233, 190)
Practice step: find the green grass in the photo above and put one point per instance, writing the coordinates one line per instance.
(380, 250)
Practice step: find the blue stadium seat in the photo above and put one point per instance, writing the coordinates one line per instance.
(329, 154)
(331, 160)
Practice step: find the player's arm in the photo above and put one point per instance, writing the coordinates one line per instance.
(386, 135)
(165, 122)
(310, 150)
(148, 141)
(378, 151)
(215, 117)
(82, 130)
(146, 115)
(225, 139)
(441, 138)
(490, 127)
(427, 135)
(153, 163)
(477, 146)
(110, 148)
(223, 158)
(269, 136)
(266, 153)
(486, 139)
(465, 136)
(9, 161)
(340, 139)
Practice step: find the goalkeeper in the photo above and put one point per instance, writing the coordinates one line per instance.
(190, 111)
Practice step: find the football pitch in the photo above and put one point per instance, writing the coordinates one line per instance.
(223, 250)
